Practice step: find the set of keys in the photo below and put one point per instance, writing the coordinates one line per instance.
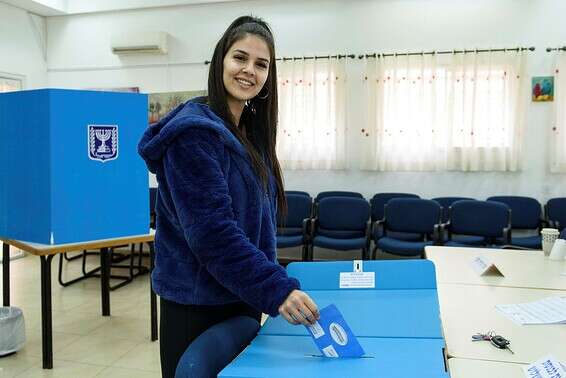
(497, 341)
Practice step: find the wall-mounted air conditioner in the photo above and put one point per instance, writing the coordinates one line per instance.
(140, 43)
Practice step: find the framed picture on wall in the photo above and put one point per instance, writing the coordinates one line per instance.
(11, 82)
(117, 89)
(543, 88)
(162, 103)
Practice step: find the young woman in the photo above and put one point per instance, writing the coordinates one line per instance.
(220, 187)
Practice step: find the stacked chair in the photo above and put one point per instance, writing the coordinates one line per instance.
(341, 223)
(526, 214)
(409, 216)
(446, 202)
(293, 230)
(488, 220)
(555, 211)
(378, 203)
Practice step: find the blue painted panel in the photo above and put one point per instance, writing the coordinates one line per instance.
(377, 313)
(292, 356)
(394, 274)
(24, 166)
(103, 199)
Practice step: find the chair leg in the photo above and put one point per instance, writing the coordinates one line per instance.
(311, 252)
(374, 253)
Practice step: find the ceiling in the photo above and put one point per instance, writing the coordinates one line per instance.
(50, 8)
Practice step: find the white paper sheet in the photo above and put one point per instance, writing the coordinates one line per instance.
(547, 367)
(551, 310)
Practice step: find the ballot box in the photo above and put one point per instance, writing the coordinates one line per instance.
(69, 167)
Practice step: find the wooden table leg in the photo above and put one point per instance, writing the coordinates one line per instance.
(105, 281)
(46, 315)
(153, 297)
(6, 274)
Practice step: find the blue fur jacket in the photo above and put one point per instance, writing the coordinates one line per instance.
(215, 232)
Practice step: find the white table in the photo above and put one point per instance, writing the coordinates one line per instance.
(469, 309)
(465, 368)
(522, 269)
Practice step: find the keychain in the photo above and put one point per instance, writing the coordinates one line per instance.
(497, 341)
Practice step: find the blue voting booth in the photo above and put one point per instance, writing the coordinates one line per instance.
(69, 168)
(397, 322)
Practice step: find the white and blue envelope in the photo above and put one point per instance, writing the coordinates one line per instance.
(333, 336)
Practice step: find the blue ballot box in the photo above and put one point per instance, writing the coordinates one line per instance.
(297, 356)
(69, 168)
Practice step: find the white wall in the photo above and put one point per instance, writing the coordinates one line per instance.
(79, 46)
(21, 39)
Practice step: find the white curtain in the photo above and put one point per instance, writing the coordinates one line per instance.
(558, 132)
(312, 113)
(444, 112)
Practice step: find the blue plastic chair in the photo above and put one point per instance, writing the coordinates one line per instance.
(378, 203)
(336, 193)
(486, 219)
(446, 202)
(332, 193)
(526, 214)
(293, 230)
(409, 215)
(342, 224)
(216, 347)
(297, 192)
(555, 211)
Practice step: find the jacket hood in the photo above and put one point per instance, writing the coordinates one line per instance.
(158, 136)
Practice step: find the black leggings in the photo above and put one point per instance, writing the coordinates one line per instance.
(181, 324)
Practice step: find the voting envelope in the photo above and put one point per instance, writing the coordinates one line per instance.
(333, 336)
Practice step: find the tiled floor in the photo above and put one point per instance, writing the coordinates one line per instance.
(85, 344)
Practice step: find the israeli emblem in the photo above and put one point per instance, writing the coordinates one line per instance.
(102, 142)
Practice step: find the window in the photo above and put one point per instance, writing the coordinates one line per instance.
(455, 112)
(311, 114)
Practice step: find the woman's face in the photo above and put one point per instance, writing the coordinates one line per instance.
(246, 67)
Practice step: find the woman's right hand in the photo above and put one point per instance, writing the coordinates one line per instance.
(299, 308)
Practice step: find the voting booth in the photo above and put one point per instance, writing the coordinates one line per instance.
(69, 167)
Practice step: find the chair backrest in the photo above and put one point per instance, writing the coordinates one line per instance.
(481, 218)
(526, 211)
(337, 193)
(379, 201)
(446, 202)
(297, 192)
(556, 211)
(298, 208)
(412, 215)
(343, 217)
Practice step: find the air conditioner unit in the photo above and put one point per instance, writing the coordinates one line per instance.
(140, 43)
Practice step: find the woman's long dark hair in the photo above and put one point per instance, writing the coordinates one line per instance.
(260, 114)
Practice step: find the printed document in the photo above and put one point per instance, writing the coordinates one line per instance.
(551, 310)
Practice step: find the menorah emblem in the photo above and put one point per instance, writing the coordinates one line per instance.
(103, 136)
(102, 142)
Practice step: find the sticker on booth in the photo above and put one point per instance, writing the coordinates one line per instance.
(103, 142)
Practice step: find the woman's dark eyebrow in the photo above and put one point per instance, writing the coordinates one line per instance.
(246, 54)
